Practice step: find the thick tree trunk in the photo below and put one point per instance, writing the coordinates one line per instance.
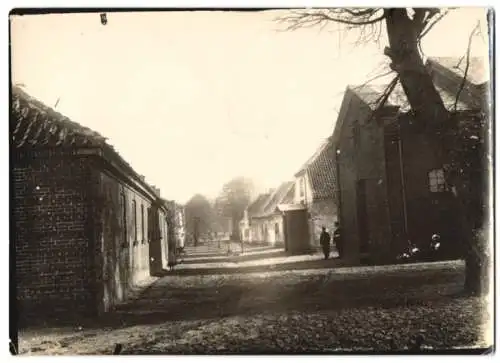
(434, 119)
(417, 83)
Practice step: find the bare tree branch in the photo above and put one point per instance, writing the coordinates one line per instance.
(308, 18)
(467, 65)
(432, 22)
(374, 78)
(382, 99)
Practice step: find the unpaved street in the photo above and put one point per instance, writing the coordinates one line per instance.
(318, 309)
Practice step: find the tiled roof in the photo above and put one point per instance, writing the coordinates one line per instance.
(321, 170)
(313, 157)
(34, 125)
(258, 205)
(477, 73)
(276, 198)
(290, 196)
(370, 94)
(322, 173)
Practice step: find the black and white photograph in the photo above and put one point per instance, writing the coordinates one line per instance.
(251, 181)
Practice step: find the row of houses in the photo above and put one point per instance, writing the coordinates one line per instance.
(312, 188)
(86, 228)
(378, 175)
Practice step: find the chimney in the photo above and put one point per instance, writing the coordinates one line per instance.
(143, 178)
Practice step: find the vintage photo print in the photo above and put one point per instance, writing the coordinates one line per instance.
(251, 181)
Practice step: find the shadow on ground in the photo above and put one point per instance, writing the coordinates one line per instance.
(235, 259)
(302, 265)
(313, 295)
(176, 298)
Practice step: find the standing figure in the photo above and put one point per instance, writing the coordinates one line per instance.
(337, 238)
(324, 240)
(172, 257)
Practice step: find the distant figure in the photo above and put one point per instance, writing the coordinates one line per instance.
(171, 258)
(324, 241)
(337, 238)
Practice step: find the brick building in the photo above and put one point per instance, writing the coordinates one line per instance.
(86, 227)
(315, 187)
(391, 181)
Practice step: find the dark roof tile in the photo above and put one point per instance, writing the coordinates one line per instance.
(276, 198)
(33, 124)
(322, 173)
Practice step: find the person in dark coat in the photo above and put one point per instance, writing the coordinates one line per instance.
(337, 238)
(324, 241)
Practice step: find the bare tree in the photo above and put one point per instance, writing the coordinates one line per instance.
(233, 199)
(406, 27)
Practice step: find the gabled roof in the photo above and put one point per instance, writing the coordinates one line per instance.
(321, 170)
(477, 72)
(452, 68)
(33, 125)
(258, 205)
(322, 173)
(313, 157)
(289, 196)
(276, 198)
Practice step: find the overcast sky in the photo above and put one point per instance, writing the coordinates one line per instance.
(193, 99)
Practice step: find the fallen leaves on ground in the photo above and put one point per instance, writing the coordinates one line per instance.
(284, 312)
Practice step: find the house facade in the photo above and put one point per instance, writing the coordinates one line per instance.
(87, 227)
(270, 219)
(316, 188)
(391, 180)
(177, 224)
(252, 231)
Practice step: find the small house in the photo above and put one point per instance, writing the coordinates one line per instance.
(87, 228)
(316, 188)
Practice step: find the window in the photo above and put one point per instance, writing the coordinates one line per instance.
(134, 222)
(276, 228)
(436, 181)
(143, 227)
(302, 187)
(124, 219)
(149, 224)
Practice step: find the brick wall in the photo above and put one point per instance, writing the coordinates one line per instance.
(131, 237)
(348, 173)
(76, 251)
(51, 216)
